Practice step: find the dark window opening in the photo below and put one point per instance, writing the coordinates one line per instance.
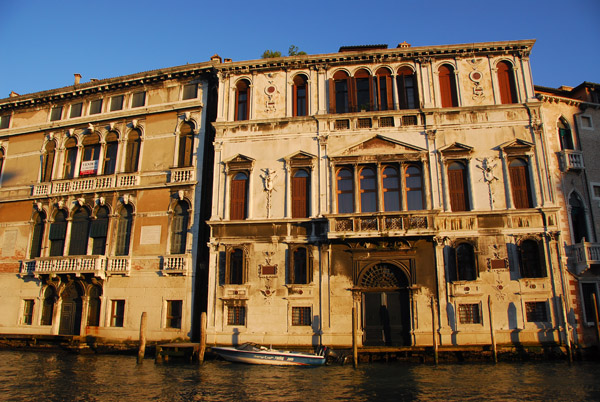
(236, 315)
(530, 259)
(56, 113)
(38, 234)
(190, 91)
(96, 106)
(48, 161)
(98, 231)
(174, 309)
(179, 228)
(408, 96)
(536, 312)
(124, 222)
(368, 190)
(58, 232)
(48, 306)
(242, 100)
(301, 316)
(132, 156)
(94, 306)
(117, 314)
(300, 106)
(186, 143)
(76, 110)
(138, 99)
(28, 311)
(236, 267)
(300, 267)
(345, 191)
(80, 227)
(469, 314)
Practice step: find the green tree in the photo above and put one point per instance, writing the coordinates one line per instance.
(269, 54)
(293, 51)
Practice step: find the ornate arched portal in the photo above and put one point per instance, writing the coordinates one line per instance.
(386, 305)
(70, 315)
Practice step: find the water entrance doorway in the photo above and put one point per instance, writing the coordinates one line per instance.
(70, 315)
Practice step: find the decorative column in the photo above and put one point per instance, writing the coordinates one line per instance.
(288, 189)
(321, 97)
(445, 188)
(395, 90)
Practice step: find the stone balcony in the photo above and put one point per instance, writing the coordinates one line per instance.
(571, 160)
(99, 266)
(176, 264)
(382, 224)
(585, 254)
(182, 175)
(85, 184)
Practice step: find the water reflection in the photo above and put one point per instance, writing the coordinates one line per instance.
(67, 377)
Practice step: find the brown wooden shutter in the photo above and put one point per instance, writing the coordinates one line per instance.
(457, 187)
(331, 95)
(123, 235)
(238, 200)
(390, 92)
(447, 87)
(299, 197)
(520, 186)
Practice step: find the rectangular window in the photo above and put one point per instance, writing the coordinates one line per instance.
(96, 106)
(386, 122)
(589, 289)
(174, 313)
(536, 312)
(4, 121)
(469, 314)
(56, 113)
(301, 316)
(190, 91)
(138, 99)
(117, 313)
(116, 103)
(236, 315)
(28, 311)
(595, 191)
(76, 110)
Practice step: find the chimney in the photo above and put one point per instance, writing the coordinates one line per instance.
(13, 94)
(93, 79)
(77, 78)
(216, 58)
(227, 61)
(404, 45)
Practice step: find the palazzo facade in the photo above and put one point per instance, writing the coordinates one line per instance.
(100, 207)
(410, 183)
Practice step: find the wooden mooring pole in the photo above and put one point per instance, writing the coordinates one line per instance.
(202, 337)
(567, 336)
(354, 340)
(596, 321)
(493, 335)
(433, 332)
(142, 349)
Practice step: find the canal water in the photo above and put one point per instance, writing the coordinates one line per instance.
(51, 376)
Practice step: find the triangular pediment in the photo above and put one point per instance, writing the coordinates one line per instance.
(239, 158)
(239, 162)
(380, 145)
(456, 148)
(517, 146)
(300, 156)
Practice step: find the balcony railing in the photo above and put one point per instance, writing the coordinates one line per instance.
(118, 266)
(85, 184)
(176, 264)
(182, 175)
(397, 222)
(571, 160)
(65, 265)
(586, 254)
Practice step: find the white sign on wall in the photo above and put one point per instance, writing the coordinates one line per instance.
(150, 234)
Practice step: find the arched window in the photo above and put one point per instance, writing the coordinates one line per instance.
(70, 158)
(457, 185)
(578, 221)
(339, 99)
(132, 157)
(80, 228)
(448, 94)
(368, 190)
(530, 260)
(242, 100)
(48, 306)
(238, 197)
(94, 306)
(300, 106)
(48, 161)
(179, 228)
(414, 188)
(124, 222)
(519, 183)
(461, 264)
(37, 235)
(345, 191)
(98, 231)
(364, 91)
(391, 189)
(506, 83)
(300, 194)
(110, 155)
(186, 145)
(235, 275)
(382, 90)
(299, 268)
(408, 94)
(91, 155)
(564, 133)
(58, 233)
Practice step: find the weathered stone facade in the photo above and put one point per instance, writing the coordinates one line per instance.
(100, 205)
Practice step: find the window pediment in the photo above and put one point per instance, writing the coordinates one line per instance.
(517, 147)
(381, 148)
(456, 149)
(300, 159)
(240, 162)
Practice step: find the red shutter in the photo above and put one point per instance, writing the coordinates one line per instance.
(457, 187)
(390, 92)
(299, 197)
(238, 200)
(447, 87)
(520, 186)
(331, 95)
(506, 82)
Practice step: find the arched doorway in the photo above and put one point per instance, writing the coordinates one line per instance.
(386, 306)
(70, 315)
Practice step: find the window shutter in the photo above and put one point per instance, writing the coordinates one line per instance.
(389, 92)
(179, 228)
(331, 95)
(299, 197)
(457, 187)
(238, 200)
(447, 87)
(38, 235)
(79, 236)
(123, 236)
(520, 186)
(58, 230)
(99, 228)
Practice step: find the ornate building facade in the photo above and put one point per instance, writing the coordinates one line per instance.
(409, 183)
(100, 207)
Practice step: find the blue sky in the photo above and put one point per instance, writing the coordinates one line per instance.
(45, 42)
